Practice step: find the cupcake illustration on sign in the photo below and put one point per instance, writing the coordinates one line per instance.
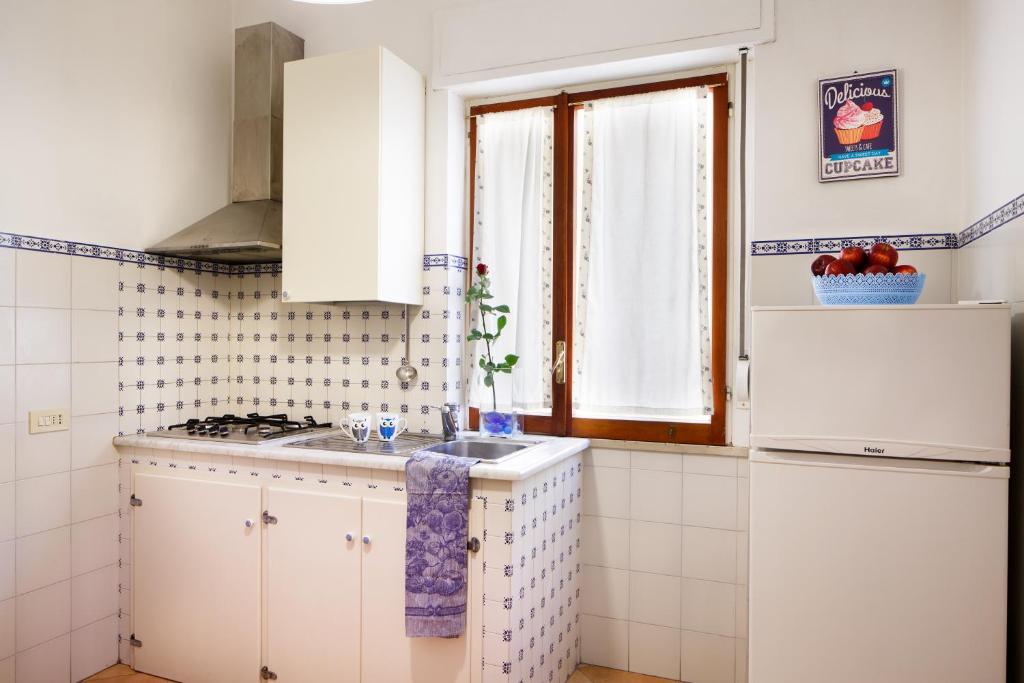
(858, 135)
(872, 122)
(849, 123)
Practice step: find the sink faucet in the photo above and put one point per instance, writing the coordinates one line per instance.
(450, 421)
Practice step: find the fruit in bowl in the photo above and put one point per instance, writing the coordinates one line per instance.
(880, 259)
(855, 256)
(840, 267)
(821, 263)
(883, 254)
(865, 277)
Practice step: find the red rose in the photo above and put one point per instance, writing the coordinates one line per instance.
(481, 269)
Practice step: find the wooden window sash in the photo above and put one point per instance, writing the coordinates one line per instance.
(561, 421)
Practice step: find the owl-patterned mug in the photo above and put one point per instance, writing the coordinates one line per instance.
(390, 426)
(357, 426)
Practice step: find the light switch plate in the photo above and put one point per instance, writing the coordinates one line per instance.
(47, 421)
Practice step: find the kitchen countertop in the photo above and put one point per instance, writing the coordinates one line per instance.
(545, 452)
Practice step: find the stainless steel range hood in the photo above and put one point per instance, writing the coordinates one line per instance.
(249, 229)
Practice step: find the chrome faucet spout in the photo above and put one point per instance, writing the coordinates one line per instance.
(450, 421)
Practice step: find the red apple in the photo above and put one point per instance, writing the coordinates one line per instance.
(883, 254)
(855, 256)
(820, 263)
(840, 267)
(905, 269)
(875, 269)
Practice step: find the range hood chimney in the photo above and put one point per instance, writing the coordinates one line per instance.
(249, 229)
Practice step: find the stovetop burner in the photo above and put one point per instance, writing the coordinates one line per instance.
(253, 428)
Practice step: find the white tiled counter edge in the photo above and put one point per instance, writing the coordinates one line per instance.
(544, 454)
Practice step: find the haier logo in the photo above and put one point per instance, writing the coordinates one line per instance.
(873, 450)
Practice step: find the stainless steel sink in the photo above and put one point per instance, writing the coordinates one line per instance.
(482, 449)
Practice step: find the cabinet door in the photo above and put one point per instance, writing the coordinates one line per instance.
(196, 579)
(387, 654)
(313, 586)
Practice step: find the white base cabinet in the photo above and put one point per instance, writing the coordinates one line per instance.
(196, 579)
(236, 582)
(312, 578)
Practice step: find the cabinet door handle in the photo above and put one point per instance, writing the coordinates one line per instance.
(349, 537)
(248, 523)
(366, 540)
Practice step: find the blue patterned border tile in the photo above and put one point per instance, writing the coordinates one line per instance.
(1001, 216)
(828, 245)
(446, 261)
(53, 246)
(15, 241)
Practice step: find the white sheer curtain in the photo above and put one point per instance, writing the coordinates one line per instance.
(642, 330)
(512, 229)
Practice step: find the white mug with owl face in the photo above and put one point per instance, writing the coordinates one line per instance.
(357, 426)
(390, 426)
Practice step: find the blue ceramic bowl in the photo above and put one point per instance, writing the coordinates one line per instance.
(868, 290)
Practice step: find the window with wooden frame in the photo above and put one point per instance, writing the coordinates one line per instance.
(602, 218)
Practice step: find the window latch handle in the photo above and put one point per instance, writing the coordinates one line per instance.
(559, 367)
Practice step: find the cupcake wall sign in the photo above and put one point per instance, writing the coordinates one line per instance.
(857, 127)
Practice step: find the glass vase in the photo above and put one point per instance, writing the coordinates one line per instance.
(497, 423)
(499, 416)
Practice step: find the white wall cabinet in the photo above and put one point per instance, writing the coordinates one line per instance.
(196, 579)
(325, 603)
(353, 179)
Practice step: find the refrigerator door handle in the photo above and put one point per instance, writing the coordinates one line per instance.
(853, 462)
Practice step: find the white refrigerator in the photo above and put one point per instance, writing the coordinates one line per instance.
(878, 494)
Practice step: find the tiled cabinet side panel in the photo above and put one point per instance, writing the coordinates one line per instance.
(546, 574)
(496, 625)
(455, 332)
(327, 359)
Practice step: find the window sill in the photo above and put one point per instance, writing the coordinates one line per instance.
(690, 449)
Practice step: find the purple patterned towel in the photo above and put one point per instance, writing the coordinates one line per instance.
(436, 559)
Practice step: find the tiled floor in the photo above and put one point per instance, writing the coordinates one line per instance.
(120, 673)
(598, 674)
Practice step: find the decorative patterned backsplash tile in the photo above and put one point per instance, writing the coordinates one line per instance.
(193, 344)
(198, 338)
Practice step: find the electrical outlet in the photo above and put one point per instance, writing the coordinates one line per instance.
(47, 421)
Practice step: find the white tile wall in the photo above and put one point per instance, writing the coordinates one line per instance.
(665, 556)
(58, 349)
(128, 347)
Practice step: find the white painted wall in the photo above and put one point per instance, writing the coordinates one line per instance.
(480, 41)
(993, 101)
(993, 266)
(814, 39)
(115, 124)
(920, 38)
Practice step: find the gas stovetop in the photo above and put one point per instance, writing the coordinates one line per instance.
(253, 428)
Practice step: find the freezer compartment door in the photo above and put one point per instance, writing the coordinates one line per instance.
(928, 382)
(889, 571)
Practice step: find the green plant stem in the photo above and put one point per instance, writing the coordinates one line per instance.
(494, 392)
